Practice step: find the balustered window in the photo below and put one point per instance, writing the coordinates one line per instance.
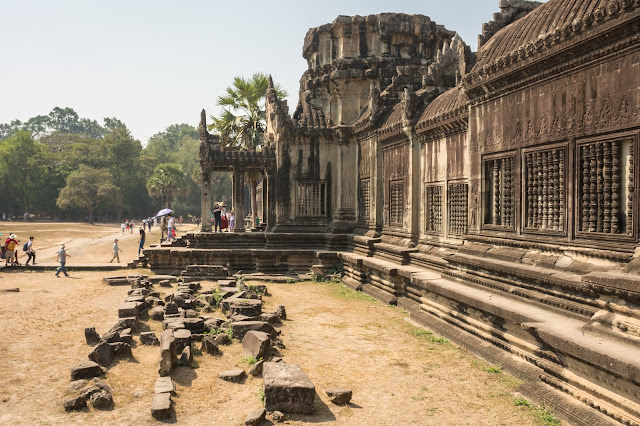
(434, 209)
(312, 199)
(396, 202)
(499, 194)
(545, 189)
(605, 187)
(458, 195)
(365, 200)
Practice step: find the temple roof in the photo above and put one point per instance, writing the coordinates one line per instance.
(451, 103)
(541, 21)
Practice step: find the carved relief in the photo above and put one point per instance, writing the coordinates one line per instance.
(311, 199)
(434, 209)
(498, 206)
(365, 200)
(458, 208)
(606, 187)
(544, 190)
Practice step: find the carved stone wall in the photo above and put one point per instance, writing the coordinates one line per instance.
(396, 184)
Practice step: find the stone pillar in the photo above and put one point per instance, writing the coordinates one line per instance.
(205, 201)
(238, 198)
(270, 180)
(344, 218)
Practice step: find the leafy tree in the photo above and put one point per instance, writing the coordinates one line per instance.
(167, 180)
(87, 188)
(21, 167)
(242, 122)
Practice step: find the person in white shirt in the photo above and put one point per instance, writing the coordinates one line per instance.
(31, 253)
(116, 251)
(170, 228)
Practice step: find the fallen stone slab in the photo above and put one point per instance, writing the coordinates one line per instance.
(164, 385)
(76, 385)
(185, 357)
(126, 336)
(254, 305)
(91, 335)
(210, 346)
(136, 298)
(339, 396)
(222, 339)
(157, 313)
(149, 338)
(256, 369)
(171, 308)
(129, 309)
(86, 370)
(102, 400)
(287, 388)
(240, 328)
(103, 354)
(281, 312)
(122, 349)
(256, 344)
(270, 318)
(101, 384)
(212, 323)
(152, 301)
(161, 406)
(234, 376)
(168, 353)
(183, 339)
(193, 324)
(255, 417)
(239, 317)
(157, 278)
(74, 403)
(191, 313)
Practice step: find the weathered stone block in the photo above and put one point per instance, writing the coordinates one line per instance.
(149, 338)
(182, 338)
(168, 353)
(164, 385)
(86, 370)
(339, 396)
(102, 354)
(129, 309)
(161, 406)
(75, 403)
(287, 388)
(256, 344)
(235, 376)
(102, 400)
(255, 417)
(240, 328)
(91, 335)
(210, 346)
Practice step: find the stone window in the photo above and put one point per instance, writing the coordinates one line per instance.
(605, 187)
(458, 208)
(434, 209)
(544, 189)
(498, 190)
(396, 203)
(311, 199)
(365, 200)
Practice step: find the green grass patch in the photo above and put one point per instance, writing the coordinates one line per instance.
(493, 370)
(250, 360)
(341, 291)
(543, 415)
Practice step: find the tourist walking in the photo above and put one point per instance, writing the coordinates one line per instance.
(141, 240)
(232, 220)
(62, 258)
(163, 228)
(116, 251)
(171, 228)
(123, 225)
(31, 253)
(10, 248)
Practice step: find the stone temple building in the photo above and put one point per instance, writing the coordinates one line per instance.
(492, 194)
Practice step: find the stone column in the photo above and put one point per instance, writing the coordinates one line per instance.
(344, 218)
(270, 180)
(205, 201)
(238, 198)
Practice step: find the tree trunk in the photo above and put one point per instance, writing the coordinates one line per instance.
(169, 197)
(253, 185)
(91, 214)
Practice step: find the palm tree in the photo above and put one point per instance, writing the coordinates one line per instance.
(168, 180)
(241, 125)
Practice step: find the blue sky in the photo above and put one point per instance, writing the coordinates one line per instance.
(156, 63)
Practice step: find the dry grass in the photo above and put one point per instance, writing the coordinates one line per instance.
(400, 374)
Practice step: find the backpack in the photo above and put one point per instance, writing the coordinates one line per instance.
(25, 247)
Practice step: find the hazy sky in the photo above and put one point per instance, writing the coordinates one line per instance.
(156, 63)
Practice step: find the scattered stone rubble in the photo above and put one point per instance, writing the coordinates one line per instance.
(286, 387)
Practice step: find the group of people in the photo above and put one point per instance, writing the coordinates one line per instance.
(9, 251)
(223, 220)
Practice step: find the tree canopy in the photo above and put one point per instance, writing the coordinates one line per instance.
(87, 188)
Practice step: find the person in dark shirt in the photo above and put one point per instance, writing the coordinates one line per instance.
(141, 240)
(217, 218)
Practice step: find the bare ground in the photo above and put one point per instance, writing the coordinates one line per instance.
(400, 374)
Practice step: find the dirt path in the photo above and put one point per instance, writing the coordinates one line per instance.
(399, 374)
(85, 243)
